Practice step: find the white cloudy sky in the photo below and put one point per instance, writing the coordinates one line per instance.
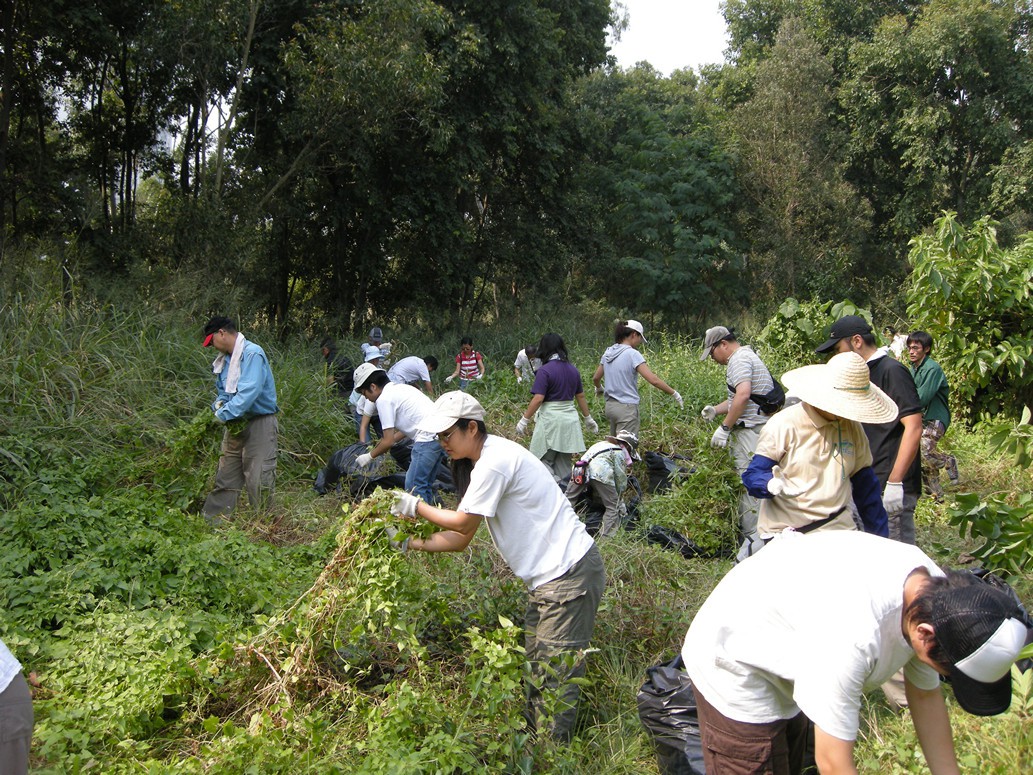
(672, 34)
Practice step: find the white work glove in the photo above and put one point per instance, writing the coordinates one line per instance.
(405, 504)
(678, 399)
(399, 546)
(521, 426)
(893, 498)
(720, 438)
(365, 460)
(709, 413)
(217, 405)
(450, 377)
(779, 486)
(591, 424)
(519, 380)
(480, 375)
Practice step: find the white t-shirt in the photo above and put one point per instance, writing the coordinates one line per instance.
(620, 372)
(409, 369)
(529, 518)
(403, 408)
(527, 366)
(809, 624)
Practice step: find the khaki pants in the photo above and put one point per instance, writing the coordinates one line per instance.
(558, 625)
(742, 445)
(622, 417)
(247, 462)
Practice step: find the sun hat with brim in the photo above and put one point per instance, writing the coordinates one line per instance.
(842, 387)
(628, 440)
(449, 409)
(372, 354)
(980, 630)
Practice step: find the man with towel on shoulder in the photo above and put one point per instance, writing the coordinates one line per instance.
(246, 402)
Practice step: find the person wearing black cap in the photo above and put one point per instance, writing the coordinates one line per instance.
(894, 444)
(246, 400)
(763, 663)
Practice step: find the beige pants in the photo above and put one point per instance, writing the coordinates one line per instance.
(247, 462)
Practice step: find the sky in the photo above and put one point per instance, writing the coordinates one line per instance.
(671, 34)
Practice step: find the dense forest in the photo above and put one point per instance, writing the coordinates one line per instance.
(302, 162)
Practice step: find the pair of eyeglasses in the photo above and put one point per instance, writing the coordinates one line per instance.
(444, 437)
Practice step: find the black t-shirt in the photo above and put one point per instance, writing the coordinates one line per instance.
(896, 381)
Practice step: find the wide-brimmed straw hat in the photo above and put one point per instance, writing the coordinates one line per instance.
(841, 387)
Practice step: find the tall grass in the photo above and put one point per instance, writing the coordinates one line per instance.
(136, 613)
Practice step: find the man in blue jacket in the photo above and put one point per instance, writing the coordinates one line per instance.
(246, 403)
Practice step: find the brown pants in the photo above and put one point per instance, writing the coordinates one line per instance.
(740, 748)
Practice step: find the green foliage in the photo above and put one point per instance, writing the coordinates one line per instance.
(792, 333)
(976, 298)
(806, 220)
(1016, 440)
(1005, 529)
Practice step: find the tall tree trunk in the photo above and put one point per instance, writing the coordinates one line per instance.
(7, 91)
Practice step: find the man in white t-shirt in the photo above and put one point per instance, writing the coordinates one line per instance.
(526, 364)
(401, 409)
(850, 610)
(501, 484)
(414, 370)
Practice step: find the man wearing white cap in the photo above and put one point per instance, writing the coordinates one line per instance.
(620, 368)
(401, 409)
(813, 457)
(849, 611)
(537, 533)
(746, 376)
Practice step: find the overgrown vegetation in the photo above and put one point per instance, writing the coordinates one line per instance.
(298, 641)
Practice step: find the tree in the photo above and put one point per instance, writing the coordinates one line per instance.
(935, 108)
(976, 299)
(661, 189)
(805, 222)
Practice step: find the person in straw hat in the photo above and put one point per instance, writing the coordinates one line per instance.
(503, 485)
(814, 456)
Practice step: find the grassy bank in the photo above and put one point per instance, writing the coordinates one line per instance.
(296, 641)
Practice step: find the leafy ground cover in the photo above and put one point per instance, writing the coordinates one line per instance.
(297, 641)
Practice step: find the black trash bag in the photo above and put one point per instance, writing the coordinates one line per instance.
(662, 468)
(667, 709)
(630, 519)
(666, 538)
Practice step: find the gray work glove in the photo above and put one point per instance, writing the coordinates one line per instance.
(893, 498)
(405, 504)
(521, 426)
(720, 438)
(399, 546)
(591, 424)
(709, 413)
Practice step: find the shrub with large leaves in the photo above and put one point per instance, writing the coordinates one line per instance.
(976, 300)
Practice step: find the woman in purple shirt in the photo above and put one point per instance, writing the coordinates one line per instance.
(557, 428)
